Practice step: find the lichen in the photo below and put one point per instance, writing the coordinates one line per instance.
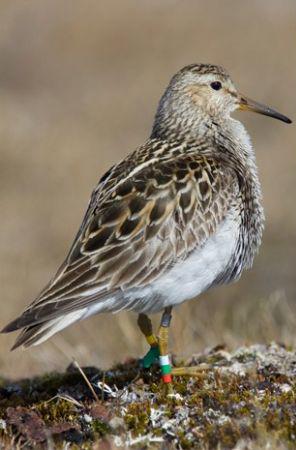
(244, 397)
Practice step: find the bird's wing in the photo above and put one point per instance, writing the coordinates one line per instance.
(141, 226)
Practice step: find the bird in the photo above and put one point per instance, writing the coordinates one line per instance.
(179, 215)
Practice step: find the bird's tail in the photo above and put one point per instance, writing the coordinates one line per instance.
(40, 332)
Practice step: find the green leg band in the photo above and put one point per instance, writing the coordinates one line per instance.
(166, 369)
(151, 356)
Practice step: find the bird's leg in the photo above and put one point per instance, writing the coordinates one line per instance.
(159, 350)
(165, 365)
(152, 355)
(164, 359)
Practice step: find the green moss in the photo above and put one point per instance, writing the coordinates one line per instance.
(57, 410)
(214, 410)
(100, 428)
(184, 442)
(137, 417)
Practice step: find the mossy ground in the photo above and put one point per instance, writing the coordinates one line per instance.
(245, 400)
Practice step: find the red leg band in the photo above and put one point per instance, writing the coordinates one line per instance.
(167, 378)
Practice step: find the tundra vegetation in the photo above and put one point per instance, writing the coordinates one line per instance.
(245, 399)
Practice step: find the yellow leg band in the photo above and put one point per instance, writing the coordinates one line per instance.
(151, 339)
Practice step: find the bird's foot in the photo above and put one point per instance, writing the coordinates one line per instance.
(167, 371)
(159, 352)
(190, 371)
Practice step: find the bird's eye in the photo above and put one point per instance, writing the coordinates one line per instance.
(216, 85)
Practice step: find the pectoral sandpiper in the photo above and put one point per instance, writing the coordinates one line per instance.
(179, 215)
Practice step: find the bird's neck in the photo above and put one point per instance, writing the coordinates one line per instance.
(173, 121)
(235, 141)
(223, 138)
(232, 143)
(226, 138)
(233, 146)
(180, 129)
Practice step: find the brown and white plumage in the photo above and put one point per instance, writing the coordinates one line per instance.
(185, 203)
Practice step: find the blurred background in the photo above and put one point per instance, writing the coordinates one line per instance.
(79, 85)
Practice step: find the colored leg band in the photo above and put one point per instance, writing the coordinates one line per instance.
(151, 339)
(150, 357)
(167, 378)
(166, 368)
(164, 360)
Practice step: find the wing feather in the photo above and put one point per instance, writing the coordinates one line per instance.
(135, 231)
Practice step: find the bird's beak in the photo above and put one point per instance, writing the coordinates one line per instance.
(246, 104)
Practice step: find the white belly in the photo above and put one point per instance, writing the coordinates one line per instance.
(187, 279)
(193, 276)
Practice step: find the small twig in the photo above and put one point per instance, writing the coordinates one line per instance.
(103, 380)
(69, 399)
(65, 397)
(86, 380)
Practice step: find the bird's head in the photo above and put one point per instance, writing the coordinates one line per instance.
(205, 91)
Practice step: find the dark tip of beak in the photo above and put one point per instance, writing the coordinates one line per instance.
(276, 115)
(250, 105)
(287, 120)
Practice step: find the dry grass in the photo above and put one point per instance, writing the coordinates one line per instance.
(79, 84)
